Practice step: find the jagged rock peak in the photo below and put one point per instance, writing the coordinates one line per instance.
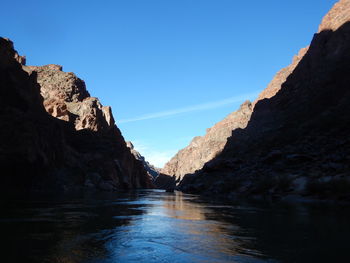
(57, 84)
(336, 17)
(65, 97)
(8, 52)
(130, 145)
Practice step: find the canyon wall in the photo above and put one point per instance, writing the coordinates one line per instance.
(54, 137)
(204, 148)
(296, 141)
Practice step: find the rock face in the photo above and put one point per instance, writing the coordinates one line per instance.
(203, 149)
(159, 180)
(152, 171)
(281, 76)
(336, 17)
(77, 146)
(296, 141)
(66, 98)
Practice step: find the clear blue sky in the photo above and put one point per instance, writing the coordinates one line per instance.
(169, 68)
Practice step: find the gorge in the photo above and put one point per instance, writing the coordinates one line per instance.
(268, 183)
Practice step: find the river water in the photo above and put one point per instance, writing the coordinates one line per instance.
(154, 226)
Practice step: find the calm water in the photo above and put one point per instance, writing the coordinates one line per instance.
(154, 226)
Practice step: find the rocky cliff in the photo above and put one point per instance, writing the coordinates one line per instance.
(296, 141)
(54, 137)
(66, 98)
(152, 171)
(204, 148)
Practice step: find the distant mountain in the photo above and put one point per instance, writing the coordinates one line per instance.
(151, 169)
(296, 141)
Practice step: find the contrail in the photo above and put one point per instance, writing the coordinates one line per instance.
(198, 107)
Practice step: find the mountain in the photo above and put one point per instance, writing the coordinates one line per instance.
(296, 141)
(54, 137)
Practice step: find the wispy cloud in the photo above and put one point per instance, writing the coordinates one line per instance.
(198, 107)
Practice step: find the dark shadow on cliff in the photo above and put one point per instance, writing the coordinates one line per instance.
(299, 134)
(165, 182)
(42, 154)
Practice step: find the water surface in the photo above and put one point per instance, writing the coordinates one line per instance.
(154, 226)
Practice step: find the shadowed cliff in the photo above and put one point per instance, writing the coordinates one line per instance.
(77, 147)
(296, 141)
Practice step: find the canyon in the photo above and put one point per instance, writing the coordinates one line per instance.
(270, 182)
(292, 140)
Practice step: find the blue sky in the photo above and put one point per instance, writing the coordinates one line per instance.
(169, 68)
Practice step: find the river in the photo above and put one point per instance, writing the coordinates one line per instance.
(154, 226)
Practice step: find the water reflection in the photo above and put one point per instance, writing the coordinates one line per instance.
(174, 230)
(154, 226)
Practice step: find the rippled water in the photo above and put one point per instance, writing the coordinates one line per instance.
(154, 226)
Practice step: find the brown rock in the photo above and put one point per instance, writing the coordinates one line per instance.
(57, 108)
(58, 88)
(203, 149)
(336, 17)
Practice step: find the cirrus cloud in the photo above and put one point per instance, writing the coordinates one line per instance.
(197, 107)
